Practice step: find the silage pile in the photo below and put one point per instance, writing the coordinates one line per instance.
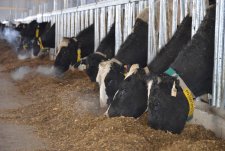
(66, 111)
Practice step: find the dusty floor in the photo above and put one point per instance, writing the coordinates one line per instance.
(65, 113)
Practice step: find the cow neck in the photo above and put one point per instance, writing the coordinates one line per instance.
(101, 54)
(187, 92)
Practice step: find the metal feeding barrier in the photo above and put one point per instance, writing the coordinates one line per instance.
(164, 17)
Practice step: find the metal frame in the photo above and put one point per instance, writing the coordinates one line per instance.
(70, 21)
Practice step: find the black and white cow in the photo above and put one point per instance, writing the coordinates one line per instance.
(32, 31)
(133, 50)
(131, 97)
(71, 50)
(194, 65)
(105, 51)
(45, 40)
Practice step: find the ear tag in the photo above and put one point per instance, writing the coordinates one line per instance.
(174, 90)
(78, 55)
(37, 33)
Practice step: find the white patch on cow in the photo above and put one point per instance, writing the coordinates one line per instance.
(82, 67)
(115, 94)
(71, 68)
(149, 91)
(133, 70)
(107, 111)
(63, 43)
(104, 68)
(75, 39)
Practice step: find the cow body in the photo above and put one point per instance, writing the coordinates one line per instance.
(105, 51)
(133, 50)
(131, 98)
(70, 48)
(194, 65)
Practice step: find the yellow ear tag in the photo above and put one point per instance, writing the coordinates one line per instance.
(37, 33)
(78, 55)
(190, 99)
(40, 43)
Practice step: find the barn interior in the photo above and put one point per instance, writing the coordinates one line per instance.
(43, 111)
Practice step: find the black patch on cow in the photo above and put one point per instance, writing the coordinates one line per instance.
(107, 47)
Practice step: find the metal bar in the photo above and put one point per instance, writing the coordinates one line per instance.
(220, 54)
(64, 25)
(72, 25)
(118, 30)
(91, 14)
(86, 19)
(215, 73)
(68, 24)
(162, 24)
(174, 19)
(111, 17)
(82, 20)
(97, 34)
(102, 23)
(194, 15)
(127, 21)
(140, 6)
(151, 32)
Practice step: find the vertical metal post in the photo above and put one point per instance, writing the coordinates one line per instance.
(140, 6)
(174, 20)
(82, 20)
(77, 22)
(162, 24)
(91, 14)
(151, 32)
(68, 23)
(97, 34)
(72, 25)
(194, 16)
(218, 58)
(86, 19)
(102, 24)
(127, 21)
(111, 17)
(118, 30)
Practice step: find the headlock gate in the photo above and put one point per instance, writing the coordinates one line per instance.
(164, 17)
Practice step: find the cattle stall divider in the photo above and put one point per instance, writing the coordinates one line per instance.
(164, 17)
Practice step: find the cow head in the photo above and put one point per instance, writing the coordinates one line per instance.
(131, 97)
(113, 79)
(92, 63)
(68, 54)
(168, 108)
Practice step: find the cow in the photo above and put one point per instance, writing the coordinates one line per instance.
(131, 97)
(171, 94)
(71, 50)
(133, 50)
(45, 41)
(105, 51)
(32, 31)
